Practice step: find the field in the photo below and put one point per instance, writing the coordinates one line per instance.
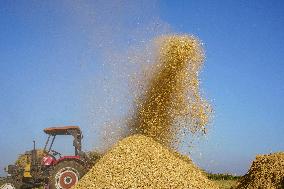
(224, 181)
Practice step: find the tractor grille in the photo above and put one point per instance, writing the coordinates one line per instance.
(11, 169)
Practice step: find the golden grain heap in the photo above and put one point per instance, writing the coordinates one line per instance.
(171, 101)
(140, 162)
(266, 171)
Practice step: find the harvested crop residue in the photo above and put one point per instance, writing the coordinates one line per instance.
(140, 162)
(266, 171)
(171, 102)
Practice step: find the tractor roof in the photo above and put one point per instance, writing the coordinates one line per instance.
(61, 130)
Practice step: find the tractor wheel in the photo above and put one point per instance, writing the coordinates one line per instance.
(7, 185)
(11, 183)
(65, 175)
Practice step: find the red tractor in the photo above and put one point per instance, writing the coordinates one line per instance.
(50, 168)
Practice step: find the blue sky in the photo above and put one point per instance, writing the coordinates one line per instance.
(54, 64)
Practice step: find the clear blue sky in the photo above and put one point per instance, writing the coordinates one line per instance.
(51, 70)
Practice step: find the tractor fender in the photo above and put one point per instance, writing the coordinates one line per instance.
(70, 158)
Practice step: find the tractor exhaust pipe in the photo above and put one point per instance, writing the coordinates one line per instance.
(34, 154)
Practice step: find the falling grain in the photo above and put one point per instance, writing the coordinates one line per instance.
(171, 102)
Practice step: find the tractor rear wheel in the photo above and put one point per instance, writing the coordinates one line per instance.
(65, 175)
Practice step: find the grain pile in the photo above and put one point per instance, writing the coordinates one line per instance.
(140, 162)
(171, 101)
(266, 172)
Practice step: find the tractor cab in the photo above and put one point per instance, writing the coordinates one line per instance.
(52, 132)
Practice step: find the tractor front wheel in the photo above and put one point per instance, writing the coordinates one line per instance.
(8, 185)
(65, 175)
(12, 183)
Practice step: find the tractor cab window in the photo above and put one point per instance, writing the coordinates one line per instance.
(57, 145)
